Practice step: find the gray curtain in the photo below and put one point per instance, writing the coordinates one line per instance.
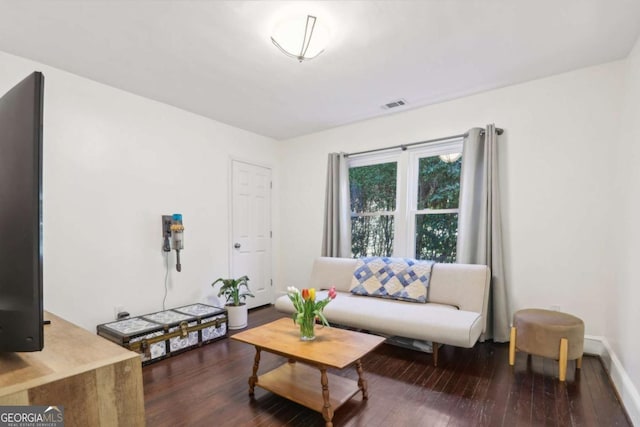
(479, 225)
(336, 238)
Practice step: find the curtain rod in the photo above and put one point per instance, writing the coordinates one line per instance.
(403, 147)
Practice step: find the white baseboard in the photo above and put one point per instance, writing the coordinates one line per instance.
(624, 386)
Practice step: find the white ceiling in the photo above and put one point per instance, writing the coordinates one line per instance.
(215, 58)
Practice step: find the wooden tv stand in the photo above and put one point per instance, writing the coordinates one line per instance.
(97, 382)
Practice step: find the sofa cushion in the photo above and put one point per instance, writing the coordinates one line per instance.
(395, 278)
(440, 323)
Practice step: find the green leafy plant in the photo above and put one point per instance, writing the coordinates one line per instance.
(231, 289)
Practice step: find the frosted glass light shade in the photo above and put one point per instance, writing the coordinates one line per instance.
(302, 38)
(450, 158)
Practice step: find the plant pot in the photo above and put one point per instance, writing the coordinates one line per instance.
(237, 316)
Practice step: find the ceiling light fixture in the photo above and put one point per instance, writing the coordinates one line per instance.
(450, 158)
(295, 43)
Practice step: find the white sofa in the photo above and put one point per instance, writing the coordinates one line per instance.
(455, 314)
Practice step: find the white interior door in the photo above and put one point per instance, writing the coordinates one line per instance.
(251, 229)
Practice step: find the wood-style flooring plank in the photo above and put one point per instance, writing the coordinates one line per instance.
(470, 387)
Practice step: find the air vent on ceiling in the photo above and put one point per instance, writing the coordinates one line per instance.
(395, 104)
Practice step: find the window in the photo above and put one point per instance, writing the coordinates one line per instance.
(406, 204)
(373, 191)
(435, 215)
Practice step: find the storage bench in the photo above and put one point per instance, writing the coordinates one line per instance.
(157, 336)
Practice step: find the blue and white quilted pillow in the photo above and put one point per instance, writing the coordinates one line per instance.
(395, 278)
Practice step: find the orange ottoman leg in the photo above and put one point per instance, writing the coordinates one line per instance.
(564, 348)
(512, 346)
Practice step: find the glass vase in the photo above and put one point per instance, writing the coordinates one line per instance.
(307, 328)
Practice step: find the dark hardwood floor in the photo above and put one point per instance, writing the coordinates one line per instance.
(470, 387)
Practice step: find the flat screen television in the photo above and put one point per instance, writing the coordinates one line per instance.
(21, 299)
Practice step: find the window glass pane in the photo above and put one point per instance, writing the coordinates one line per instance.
(438, 183)
(436, 236)
(372, 236)
(373, 187)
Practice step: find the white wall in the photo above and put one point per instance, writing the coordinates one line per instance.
(622, 311)
(113, 164)
(555, 177)
(570, 181)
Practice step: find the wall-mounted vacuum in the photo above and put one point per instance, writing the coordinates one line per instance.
(173, 235)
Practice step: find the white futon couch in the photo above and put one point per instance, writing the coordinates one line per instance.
(455, 312)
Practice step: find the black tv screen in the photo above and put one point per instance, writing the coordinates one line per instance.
(21, 305)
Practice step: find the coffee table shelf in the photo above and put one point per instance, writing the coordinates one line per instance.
(301, 384)
(304, 378)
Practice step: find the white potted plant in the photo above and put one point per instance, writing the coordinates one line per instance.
(235, 296)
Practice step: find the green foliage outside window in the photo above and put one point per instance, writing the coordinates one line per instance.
(372, 189)
(438, 188)
(372, 236)
(438, 183)
(436, 237)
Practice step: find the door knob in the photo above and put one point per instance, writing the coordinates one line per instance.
(237, 245)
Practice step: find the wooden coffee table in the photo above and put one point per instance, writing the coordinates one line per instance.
(332, 348)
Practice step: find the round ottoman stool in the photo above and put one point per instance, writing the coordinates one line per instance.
(547, 333)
